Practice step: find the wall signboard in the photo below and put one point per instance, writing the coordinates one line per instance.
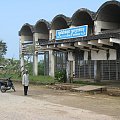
(74, 32)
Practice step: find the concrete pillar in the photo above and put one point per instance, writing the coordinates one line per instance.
(22, 64)
(52, 34)
(51, 63)
(21, 55)
(97, 70)
(35, 63)
(97, 27)
(35, 54)
(70, 70)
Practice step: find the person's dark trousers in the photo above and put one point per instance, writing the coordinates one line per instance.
(25, 90)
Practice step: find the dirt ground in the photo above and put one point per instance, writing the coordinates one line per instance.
(43, 103)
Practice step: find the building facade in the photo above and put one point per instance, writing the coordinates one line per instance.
(95, 55)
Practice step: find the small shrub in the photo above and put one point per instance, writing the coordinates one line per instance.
(60, 76)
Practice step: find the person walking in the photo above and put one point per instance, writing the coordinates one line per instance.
(25, 81)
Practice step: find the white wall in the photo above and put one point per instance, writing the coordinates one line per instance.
(113, 54)
(40, 36)
(105, 25)
(70, 56)
(26, 38)
(43, 36)
(100, 55)
(85, 55)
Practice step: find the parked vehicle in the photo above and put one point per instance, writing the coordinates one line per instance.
(7, 85)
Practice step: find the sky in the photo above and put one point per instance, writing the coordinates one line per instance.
(15, 13)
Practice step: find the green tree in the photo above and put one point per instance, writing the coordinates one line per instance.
(3, 48)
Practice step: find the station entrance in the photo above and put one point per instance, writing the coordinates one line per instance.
(109, 69)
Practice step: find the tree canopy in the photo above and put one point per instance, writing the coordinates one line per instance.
(3, 48)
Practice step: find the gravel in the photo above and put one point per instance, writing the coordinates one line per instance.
(14, 107)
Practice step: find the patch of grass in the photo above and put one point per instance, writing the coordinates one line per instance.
(33, 79)
(42, 80)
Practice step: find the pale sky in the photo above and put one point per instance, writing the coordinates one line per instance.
(15, 13)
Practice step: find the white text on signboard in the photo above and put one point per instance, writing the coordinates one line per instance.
(75, 32)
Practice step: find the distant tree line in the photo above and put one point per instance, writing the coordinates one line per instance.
(3, 49)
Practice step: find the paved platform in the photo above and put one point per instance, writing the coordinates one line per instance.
(90, 88)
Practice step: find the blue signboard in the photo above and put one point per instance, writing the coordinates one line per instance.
(74, 32)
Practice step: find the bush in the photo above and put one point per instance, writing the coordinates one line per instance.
(60, 76)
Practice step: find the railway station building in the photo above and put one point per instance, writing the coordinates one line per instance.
(87, 44)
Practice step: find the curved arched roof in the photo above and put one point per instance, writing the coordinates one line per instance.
(90, 13)
(61, 18)
(82, 16)
(109, 9)
(42, 21)
(26, 30)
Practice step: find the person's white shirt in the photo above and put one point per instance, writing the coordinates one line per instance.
(25, 79)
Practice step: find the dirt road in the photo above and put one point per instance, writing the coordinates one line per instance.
(49, 104)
